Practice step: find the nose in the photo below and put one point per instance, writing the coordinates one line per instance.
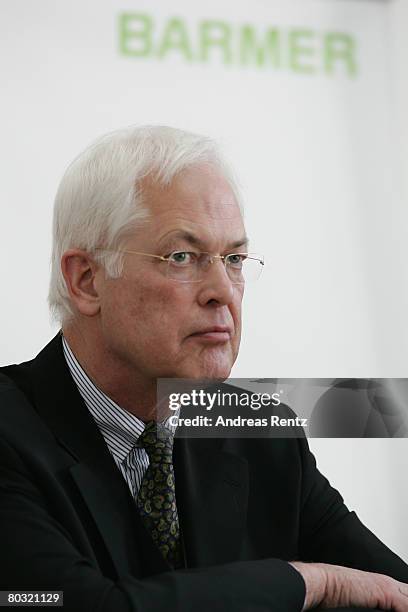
(216, 285)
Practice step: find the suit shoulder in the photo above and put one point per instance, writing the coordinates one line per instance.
(18, 416)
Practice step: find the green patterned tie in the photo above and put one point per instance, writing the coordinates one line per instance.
(156, 499)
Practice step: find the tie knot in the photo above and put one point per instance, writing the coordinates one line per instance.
(157, 441)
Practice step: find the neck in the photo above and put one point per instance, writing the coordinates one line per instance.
(116, 378)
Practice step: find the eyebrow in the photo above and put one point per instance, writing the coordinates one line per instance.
(195, 241)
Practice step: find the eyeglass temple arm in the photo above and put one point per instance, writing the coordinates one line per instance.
(147, 254)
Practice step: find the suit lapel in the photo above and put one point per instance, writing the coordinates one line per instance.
(212, 494)
(118, 522)
(95, 473)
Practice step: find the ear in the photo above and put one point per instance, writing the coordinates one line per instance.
(79, 271)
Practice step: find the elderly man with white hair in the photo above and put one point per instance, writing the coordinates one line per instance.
(150, 260)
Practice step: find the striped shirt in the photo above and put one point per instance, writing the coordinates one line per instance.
(120, 428)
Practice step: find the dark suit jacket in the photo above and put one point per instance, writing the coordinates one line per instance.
(68, 521)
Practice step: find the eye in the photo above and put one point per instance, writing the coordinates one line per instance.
(236, 259)
(182, 258)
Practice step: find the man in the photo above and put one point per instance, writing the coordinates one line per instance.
(147, 281)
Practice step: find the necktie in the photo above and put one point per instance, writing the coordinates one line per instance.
(156, 500)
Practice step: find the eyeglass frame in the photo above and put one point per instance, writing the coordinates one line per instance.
(254, 256)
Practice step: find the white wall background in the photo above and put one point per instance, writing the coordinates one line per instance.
(322, 161)
(370, 473)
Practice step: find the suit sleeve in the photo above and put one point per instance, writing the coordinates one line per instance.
(37, 552)
(330, 533)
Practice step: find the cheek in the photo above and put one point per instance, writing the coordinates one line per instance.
(159, 311)
(236, 307)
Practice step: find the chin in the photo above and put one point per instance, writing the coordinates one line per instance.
(204, 365)
(213, 370)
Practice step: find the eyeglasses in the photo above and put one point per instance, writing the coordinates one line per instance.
(190, 267)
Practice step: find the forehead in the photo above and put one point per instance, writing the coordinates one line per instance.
(199, 200)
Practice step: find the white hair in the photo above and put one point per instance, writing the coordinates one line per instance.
(99, 201)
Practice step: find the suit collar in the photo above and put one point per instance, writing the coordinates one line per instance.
(94, 472)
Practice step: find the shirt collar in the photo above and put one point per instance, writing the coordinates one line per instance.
(120, 428)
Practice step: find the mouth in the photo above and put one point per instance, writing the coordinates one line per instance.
(214, 334)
